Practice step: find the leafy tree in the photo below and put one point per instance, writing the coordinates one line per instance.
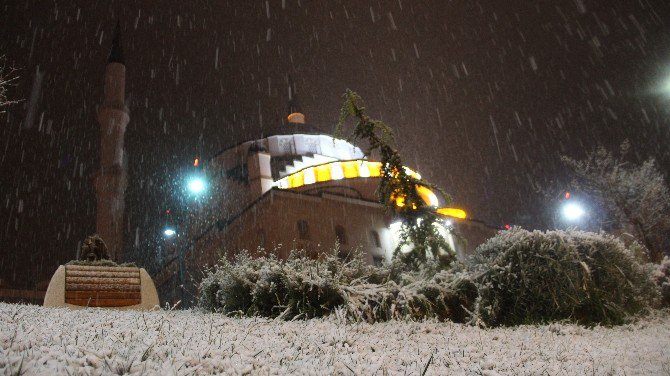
(397, 190)
(634, 197)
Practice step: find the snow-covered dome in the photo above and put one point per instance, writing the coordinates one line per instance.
(291, 152)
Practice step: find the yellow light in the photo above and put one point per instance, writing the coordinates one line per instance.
(375, 169)
(346, 170)
(427, 195)
(399, 200)
(350, 169)
(296, 180)
(322, 173)
(452, 212)
(412, 173)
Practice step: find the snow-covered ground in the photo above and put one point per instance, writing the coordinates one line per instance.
(49, 341)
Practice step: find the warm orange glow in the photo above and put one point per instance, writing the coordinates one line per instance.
(296, 118)
(452, 212)
(399, 200)
(196, 163)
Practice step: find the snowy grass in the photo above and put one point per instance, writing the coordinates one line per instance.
(36, 340)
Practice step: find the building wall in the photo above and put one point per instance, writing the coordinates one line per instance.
(272, 224)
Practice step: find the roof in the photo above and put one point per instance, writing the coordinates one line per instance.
(276, 130)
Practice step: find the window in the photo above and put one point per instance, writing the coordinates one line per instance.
(340, 235)
(374, 237)
(303, 229)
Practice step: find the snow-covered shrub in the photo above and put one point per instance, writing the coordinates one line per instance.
(536, 277)
(301, 287)
(660, 274)
(228, 286)
(417, 295)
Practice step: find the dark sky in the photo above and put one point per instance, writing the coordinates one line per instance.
(484, 97)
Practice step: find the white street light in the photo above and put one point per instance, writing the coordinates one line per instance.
(196, 185)
(169, 232)
(573, 211)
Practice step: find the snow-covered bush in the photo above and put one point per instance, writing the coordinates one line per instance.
(535, 277)
(301, 287)
(660, 274)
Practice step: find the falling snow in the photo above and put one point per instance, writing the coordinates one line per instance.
(483, 96)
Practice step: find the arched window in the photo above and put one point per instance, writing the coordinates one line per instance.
(340, 235)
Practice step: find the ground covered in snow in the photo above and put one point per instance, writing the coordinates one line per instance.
(36, 340)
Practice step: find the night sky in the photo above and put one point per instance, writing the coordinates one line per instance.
(484, 97)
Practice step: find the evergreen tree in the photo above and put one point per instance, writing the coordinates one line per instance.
(397, 190)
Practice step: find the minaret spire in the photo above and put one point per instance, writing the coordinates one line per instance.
(110, 181)
(295, 114)
(116, 53)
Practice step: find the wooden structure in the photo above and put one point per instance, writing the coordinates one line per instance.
(101, 286)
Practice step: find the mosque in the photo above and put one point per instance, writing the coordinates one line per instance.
(291, 187)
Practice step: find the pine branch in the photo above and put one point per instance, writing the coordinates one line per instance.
(397, 189)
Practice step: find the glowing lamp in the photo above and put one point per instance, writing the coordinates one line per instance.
(323, 173)
(375, 169)
(296, 180)
(573, 211)
(427, 195)
(296, 118)
(350, 169)
(398, 199)
(196, 185)
(452, 212)
(168, 232)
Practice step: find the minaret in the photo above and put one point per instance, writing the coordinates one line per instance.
(110, 182)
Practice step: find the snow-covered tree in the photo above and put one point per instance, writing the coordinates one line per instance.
(397, 189)
(7, 77)
(634, 197)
